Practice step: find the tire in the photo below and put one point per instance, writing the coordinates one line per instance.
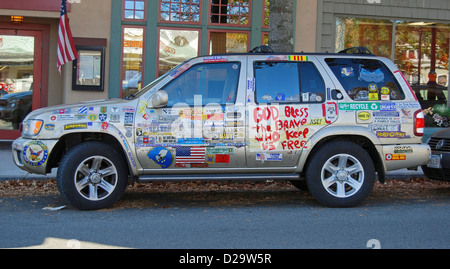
(92, 176)
(340, 174)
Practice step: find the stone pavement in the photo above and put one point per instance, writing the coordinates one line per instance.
(9, 171)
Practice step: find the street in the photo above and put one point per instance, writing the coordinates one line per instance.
(230, 219)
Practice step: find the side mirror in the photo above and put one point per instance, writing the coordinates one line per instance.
(158, 99)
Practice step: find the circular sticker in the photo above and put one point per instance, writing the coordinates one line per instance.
(162, 156)
(373, 87)
(35, 153)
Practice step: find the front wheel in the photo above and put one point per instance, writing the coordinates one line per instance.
(340, 174)
(92, 176)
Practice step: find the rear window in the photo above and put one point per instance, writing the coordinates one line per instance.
(366, 79)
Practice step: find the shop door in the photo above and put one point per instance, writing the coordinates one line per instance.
(20, 78)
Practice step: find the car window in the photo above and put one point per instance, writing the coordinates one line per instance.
(366, 79)
(288, 82)
(214, 82)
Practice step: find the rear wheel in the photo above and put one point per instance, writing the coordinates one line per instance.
(92, 176)
(340, 174)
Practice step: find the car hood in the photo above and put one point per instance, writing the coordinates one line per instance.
(444, 133)
(94, 103)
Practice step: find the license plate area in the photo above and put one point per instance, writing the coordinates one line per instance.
(435, 161)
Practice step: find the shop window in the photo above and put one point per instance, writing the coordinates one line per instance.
(216, 83)
(176, 46)
(134, 9)
(422, 54)
(228, 42)
(376, 35)
(186, 11)
(235, 12)
(132, 71)
(366, 79)
(288, 82)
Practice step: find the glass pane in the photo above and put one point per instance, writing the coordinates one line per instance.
(129, 14)
(366, 79)
(132, 60)
(277, 82)
(221, 42)
(176, 46)
(312, 85)
(140, 5)
(184, 11)
(422, 55)
(16, 79)
(230, 12)
(89, 67)
(216, 83)
(139, 15)
(129, 4)
(376, 35)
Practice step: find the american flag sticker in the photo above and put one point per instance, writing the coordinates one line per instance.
(190, 155)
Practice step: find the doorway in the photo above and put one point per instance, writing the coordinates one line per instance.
(20, 78)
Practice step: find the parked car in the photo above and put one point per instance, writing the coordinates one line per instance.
(338, 121)
(439, 166)
(429, 96)
(15, 106)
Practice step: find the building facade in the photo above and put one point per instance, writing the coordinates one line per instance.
(125, 44)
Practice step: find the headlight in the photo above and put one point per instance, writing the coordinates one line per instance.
(32, 127)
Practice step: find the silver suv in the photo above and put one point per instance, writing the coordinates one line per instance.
(335, 121)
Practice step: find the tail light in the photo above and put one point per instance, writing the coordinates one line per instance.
(419, 123)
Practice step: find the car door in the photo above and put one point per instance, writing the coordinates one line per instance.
(202, 126)
(288, 101)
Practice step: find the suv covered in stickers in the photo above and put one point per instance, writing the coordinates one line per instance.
(336, 122)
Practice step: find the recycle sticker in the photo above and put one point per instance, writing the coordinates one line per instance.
(359, 106)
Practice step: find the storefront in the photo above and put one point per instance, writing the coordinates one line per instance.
(155, 36)
(29, 78)
(23, 69)
(414, 34)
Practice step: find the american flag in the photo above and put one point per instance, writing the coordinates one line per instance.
(66, 46)
(190, 154)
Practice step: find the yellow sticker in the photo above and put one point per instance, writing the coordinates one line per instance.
(298, 58)
(364, 115)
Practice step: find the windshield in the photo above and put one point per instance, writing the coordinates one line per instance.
(156, 81)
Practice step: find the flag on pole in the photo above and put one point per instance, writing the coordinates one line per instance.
(66, 46)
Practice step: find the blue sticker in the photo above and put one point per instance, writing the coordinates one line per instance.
(280, 97)
(162, 156)
(35, 153)
(102, 117)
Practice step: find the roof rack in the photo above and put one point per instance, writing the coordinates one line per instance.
(357, 50)
(262, 49)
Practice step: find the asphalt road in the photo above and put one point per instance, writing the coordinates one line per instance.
(255, 220)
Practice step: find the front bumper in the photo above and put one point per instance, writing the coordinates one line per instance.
(32, 155)
(441, 171)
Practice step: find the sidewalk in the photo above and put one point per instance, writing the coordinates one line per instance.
(9, 171)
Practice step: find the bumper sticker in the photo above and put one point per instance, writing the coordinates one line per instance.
(35, 153)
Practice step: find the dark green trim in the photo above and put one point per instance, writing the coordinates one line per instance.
(257, 13)
(115, 49)
(151, 43)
